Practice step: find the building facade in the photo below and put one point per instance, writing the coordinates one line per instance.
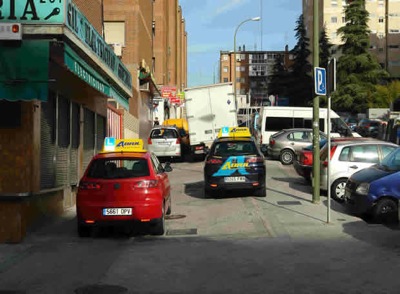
(252, 71)
(170, 55)
(67, 80)
(384, 24)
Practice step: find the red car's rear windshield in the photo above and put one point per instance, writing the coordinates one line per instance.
(118, 168)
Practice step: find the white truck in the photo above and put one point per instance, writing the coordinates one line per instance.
(208, 109)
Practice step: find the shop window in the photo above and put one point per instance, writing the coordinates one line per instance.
(10, 114)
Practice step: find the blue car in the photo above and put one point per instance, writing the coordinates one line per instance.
(375, 191)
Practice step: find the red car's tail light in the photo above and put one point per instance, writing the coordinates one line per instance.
(214, 161)
(271, 142)
(146, 184)
(89, 186)
(149, 141)
(333, 149)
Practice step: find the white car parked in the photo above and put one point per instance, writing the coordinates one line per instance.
(347, 157)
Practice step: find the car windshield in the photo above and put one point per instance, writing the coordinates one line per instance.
(234, 148)
(392, 161)
(118, 168)
(339, 126)
(163, 133)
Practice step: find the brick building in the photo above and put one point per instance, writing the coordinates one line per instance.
(63, 88)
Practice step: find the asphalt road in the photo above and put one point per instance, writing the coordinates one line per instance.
(234, 244)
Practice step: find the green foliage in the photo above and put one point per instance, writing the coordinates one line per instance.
(358, 72)
(278, 80)
(301, 82)
(324, 49)
(386, 94)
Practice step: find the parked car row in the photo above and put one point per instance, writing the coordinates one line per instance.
(364, 172)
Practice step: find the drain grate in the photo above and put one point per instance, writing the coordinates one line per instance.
(178, 232)
(101, 289)
(288, 203)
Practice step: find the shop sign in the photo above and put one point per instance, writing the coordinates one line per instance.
(89, 75)
(32, 11)
(84, 30)
(84, 73)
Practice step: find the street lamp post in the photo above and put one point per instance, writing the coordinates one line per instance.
(234, 55)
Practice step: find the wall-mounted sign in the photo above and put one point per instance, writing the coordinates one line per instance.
(32, 11)
(84, 30)
(65, 12)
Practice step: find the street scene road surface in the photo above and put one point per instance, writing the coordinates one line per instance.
(236, 243)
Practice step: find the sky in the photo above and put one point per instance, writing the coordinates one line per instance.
(211, 25)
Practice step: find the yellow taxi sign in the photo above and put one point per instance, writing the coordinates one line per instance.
(232, 132)
(112, 144)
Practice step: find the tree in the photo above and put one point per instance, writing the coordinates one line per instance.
(386, 94)
(358, 72)
(324, 49)
(300, 91)
(278, 80)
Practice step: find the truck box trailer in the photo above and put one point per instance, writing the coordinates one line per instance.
(208, 109)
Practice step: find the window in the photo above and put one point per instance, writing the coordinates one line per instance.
(334, 3)
(333, 19)
(118, 168)
(225, 57)
(381, 19)
(114, 32)
(225, 69)
(225, 80)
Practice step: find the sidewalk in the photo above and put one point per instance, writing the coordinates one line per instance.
(292, 214)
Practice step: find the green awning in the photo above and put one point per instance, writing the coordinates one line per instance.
(94, 79)
(24, 70)
(119, 98)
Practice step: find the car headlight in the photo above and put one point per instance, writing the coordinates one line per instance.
(363, 189)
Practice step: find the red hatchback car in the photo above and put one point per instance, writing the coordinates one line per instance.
(123, 184)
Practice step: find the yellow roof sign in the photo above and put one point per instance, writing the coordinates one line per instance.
(112, 144)
(232, 132)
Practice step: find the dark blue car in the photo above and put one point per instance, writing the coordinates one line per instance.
(375, 191)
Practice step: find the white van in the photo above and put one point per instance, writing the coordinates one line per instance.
(272, 119)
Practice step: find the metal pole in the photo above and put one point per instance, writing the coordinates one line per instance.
(328, 118)
(332, 88)
(316, 160)
(234, 55)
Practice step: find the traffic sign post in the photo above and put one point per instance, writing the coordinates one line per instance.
(320, 89)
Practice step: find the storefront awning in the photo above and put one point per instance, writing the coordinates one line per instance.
(24, 70)
(89, 75)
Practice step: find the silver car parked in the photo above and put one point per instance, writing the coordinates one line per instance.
(285, 144)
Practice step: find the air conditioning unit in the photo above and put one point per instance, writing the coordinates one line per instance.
(117, 49)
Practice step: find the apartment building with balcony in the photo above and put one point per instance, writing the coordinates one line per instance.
(384, 24)
(252, 71)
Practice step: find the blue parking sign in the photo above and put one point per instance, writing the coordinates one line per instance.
(320, 81)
